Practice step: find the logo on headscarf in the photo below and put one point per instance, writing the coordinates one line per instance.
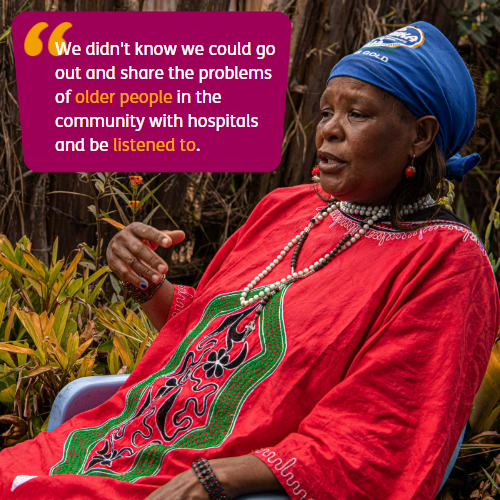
(410, 37)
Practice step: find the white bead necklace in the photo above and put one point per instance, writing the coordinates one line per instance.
(372, 215)
(383, 211)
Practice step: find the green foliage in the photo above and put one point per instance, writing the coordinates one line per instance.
(494, 222)
(462, 210)
(54, 329)
(478, 20)
(447, 200)
(490, 479)
(133, 335)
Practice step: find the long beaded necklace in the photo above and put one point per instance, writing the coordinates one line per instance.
(372, 215)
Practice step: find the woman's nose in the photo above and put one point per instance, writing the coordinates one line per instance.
(333, 129)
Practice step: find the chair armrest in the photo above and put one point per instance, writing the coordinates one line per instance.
(81, 395)
(454, 457)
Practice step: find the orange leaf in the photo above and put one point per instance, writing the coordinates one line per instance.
(113, 222)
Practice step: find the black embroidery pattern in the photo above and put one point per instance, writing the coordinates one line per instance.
(200, 370)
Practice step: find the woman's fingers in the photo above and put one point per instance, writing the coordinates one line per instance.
(161, 238)
(129, 255)
(128, 266)
(126, 274)
(173, 237)
(142, 252)
(128, 252)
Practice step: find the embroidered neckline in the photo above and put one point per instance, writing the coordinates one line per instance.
(387, 226)
(383, 231)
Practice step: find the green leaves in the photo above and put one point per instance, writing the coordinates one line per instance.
(491, 76)
(485, 30)
(462, 212)
(43, 322)
(473, 5)
(464, 27)
(133, 334)
(52, 325)
(494, 222)
(479, 37)
(488, 394)
(478, 20)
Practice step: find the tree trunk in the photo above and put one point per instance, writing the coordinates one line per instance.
(202, 5)
(38, 220)
(85, 5)
(12, 188)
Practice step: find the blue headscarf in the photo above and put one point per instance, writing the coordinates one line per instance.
(418, 65)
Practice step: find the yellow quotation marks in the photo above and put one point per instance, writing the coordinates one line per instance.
(34, 46)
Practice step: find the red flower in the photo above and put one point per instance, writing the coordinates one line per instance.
(135, 204)
(315, 170)
(135, 180)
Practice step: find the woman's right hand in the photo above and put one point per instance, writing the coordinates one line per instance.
(128, 256)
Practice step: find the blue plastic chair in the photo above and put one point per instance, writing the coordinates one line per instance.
(89, 392)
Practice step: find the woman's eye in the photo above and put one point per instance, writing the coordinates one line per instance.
(326, 113)
(356, 114)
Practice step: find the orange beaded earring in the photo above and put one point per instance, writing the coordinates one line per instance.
(411, 170)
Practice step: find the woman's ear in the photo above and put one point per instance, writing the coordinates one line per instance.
(427, 128)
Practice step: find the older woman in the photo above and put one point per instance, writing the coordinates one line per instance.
(332, 348)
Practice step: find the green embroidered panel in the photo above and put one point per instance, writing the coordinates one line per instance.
(223, 410)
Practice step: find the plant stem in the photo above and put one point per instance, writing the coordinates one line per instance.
(98, 222)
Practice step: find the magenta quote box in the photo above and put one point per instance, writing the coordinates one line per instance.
(152, 91)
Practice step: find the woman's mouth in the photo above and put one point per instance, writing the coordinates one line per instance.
(329, 163)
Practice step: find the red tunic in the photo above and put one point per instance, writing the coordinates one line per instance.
(356, 382)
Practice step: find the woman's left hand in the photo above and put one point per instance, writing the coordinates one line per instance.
(237, 475)
(184, 486)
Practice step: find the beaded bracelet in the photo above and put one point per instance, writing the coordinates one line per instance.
(141, 296)
(208, 479)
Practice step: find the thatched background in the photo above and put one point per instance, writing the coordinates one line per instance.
(209, 207)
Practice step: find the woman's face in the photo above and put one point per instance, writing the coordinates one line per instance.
(364, 141)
